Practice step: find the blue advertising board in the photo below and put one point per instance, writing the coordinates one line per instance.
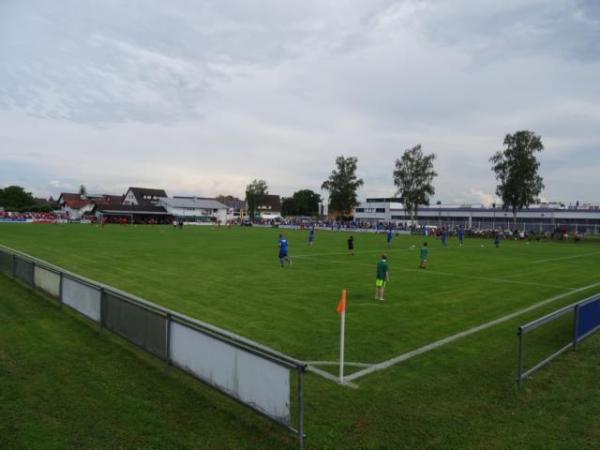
(588, 318)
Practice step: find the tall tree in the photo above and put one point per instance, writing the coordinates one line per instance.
(14, 198)
(288, 207)
(342, 185)
(413, 177)
(82, 190)
(307, 202)
(516, 168)
(302, 203)
(256, 193)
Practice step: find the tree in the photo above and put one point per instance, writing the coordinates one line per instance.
(14, 198)
(288, 207)
(516, 168)
(413, 177)
(82, 190)
(302, 203)
(256, 193)
(342, 185)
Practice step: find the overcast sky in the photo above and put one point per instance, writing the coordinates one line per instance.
(201, 97)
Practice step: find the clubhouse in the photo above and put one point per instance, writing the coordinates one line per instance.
(538, 218)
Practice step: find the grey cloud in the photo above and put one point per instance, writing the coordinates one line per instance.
(201, 97)
(491, 30)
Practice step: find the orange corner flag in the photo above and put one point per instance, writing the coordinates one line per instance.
(341, 307)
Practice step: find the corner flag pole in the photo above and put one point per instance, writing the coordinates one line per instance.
(341, 309)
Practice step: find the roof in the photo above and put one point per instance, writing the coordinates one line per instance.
(235, 204)
(192, 202)
(132, 209)
(148, 191)
(41, 201)
(73, 201)
(385, 200)
(232, 202)
(270, 203)
(139, 193)
(108, 200)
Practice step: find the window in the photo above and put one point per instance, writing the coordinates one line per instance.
(360, 209)
(380, 210)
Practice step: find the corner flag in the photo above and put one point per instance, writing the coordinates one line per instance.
(341, 309)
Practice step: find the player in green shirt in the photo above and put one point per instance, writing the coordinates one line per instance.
(424, 253)
(382, 277)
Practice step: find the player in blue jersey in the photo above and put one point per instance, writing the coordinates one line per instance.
(444, 236)
(389, 237)
(461, 236)
(311, 235)
(497, 239)
(283, 251)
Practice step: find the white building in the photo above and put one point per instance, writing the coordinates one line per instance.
(136, 196)
(270, 208)
(195, 209)
(536, 217)
(75, 205)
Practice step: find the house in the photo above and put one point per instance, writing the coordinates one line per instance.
(136, 214)
(137, 196)
(75, 205)
(105, 200)
(195, 209)
(538, 218)
(42, 204)
(236, 208)
(270, 208)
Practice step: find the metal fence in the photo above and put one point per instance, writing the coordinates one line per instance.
(250, 373)
(590, 227)
(581, 319)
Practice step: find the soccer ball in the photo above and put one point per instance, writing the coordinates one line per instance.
(482, 246)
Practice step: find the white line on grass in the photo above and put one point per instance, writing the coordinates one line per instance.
(390, 362)
(331, 377)
(564, 257)
(312, 255)
(435, 272)
(497, 280)
(337, 363)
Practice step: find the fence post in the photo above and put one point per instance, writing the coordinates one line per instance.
(575, 325)
(520, 359)
(60, 289)
(300, 407)
(168, 340)
(102, 307)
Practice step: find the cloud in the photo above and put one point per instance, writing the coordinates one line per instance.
(202, 97)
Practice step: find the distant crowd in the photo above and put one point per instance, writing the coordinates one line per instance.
(38, 217)
(559, 233)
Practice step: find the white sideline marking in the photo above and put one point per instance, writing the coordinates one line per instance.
(312, 255)
(331, 377)
(337, 363)
(565, 257)
(498, 280)
(458, 275)
(454, 337)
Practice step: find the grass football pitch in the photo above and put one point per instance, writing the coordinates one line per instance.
(459, 395)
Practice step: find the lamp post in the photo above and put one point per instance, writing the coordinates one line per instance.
(494, 216)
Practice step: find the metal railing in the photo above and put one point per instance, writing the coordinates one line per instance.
(585, 321)
(254, 375)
